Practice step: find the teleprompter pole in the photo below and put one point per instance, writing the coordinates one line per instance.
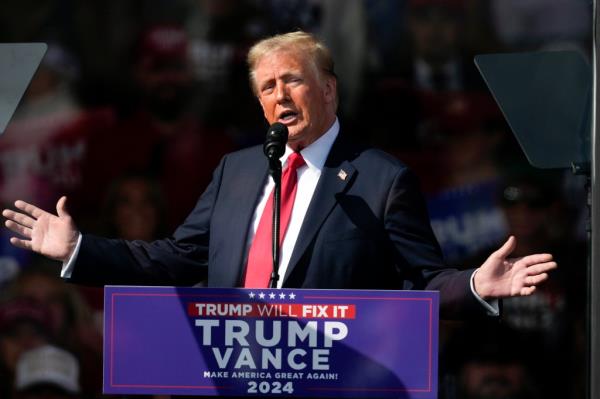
(593, 289)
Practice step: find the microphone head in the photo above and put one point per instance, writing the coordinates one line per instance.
(277, 137)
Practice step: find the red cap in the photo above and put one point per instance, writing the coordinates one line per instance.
(23, 310)
(460, 113)
(164, 42)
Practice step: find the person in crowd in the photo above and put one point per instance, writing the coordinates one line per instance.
(490, 361)
(432, 65)
(438, 62)
(163, 127)
(135, 209)
(74, 326)
(47, 372)
(358, 219)
(24, 325)
(462, 174)
(532, 205)
(220, 34)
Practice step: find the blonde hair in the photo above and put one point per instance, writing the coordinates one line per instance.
(300, 42)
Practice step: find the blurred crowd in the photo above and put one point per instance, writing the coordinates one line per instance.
(136, 101)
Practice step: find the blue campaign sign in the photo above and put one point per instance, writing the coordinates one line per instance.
(270, 342)
(467, 220)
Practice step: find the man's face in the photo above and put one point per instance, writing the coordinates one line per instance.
(166, 86)
(292, 91)
(435, 31)
(136, 212)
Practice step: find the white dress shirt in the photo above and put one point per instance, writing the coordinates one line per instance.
(308, 176)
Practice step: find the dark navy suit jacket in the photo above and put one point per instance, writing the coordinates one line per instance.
(365, 228)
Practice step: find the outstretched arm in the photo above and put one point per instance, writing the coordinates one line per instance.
(500, 276)
(54, 236)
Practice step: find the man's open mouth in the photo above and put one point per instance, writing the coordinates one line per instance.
(287, 116)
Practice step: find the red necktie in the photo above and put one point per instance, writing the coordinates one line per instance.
(260, 257)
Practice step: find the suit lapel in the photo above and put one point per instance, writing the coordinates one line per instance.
(249, 183)
(336, 176)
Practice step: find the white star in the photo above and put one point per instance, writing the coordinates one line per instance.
(251, 295)
(282, 296)
(292, 296)
(272, 296)
(261, 295)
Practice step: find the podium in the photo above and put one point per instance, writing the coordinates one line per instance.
(270, 342)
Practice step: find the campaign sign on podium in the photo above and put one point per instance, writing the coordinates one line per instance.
(270, 342)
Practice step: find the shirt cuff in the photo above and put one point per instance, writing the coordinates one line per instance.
(67, 266)
(492, 307)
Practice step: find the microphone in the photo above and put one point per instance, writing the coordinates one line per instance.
(277, 136)
(274, 147)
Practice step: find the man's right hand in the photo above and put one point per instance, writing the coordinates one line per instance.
(54, 236)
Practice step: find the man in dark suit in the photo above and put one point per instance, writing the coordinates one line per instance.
(358, 219)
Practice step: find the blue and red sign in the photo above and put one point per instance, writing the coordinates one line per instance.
(270, 342)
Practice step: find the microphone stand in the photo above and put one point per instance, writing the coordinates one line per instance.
(274, 148)
(275, 172)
